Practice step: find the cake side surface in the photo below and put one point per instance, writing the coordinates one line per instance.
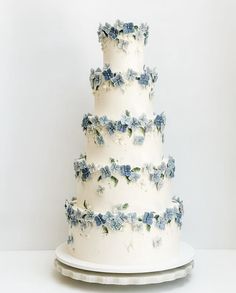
(124, 238)
(123, 212)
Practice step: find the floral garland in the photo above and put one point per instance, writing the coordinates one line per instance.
(117, 218)
(127, 124)
(157, 174)
(115, 32)
(117, 79)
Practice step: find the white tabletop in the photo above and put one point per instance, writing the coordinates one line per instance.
(33, 271)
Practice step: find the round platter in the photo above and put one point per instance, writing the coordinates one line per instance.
(124, 279)
(184, 257)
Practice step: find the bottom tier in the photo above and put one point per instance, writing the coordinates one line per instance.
(121, 238)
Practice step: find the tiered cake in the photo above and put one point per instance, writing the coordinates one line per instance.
(123, 212)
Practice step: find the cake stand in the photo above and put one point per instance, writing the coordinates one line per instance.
(173, 269)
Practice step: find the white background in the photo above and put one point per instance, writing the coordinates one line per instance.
(46, 51)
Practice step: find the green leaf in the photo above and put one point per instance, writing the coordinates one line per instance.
(156, 217)
(127, 113)
(136, 169)
(85, 204)
(142, 130)
(148, 227)
(100, 178)
(125, 206)
(105, 230)
(115, 180)
(129, 132)
(127, 178)
(112, 160)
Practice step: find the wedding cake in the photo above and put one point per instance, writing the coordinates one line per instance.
(124, 212)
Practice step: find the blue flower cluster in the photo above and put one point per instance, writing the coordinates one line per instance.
(128, 28)
(170, 169)
(115, 31)
(117, 219)
(94, 124)
(99, 76)
(157, 174)
(160, 122)
(138, 140)
(132, 174)
(82, 169)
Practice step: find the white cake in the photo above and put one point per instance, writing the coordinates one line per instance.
(124, 212)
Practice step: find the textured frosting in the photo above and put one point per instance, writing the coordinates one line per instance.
(120, 60)
(115, 101)
(121, 147)
(141, 195)
(126, 246)
(131, 139)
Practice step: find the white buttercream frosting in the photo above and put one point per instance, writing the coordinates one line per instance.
(115, 101)
(126, 246)
(121, 60)
(121, 147)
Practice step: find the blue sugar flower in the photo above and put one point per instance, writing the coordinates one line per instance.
(125, 170)
(131, 74)
(113, 33)
(99, 139)
(110, 127)
(160, 122)
(78, 165)
(128, 28)
(99, 220)
(170, 170)
(115, 167)
(131, 217)
(169, 215)
(148, 218)
(126, 119)
(144, 79)
(69, 210)
(86, 122)
(143, 121)
(138, 140)
(162, 167)
(74, 220)
(95, 78)
(89, 216)
(103, 120)
(134, 176)
(117, 80)
(178, 219)
(104, 28)
(121, 127)
(107, 74)
(134, 123)
(105, 172)
(116, 223)
(85, 173)
(160, 223)
(157, 176)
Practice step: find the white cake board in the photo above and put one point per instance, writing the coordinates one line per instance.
(124, 279)
(185, 256)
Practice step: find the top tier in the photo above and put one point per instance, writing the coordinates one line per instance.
(123, 45)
